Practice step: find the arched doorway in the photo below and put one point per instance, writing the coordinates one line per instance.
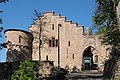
(87, 59)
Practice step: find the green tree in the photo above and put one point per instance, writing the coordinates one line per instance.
(2, 1)
(27, 71)
(105, 21)
(42, 38)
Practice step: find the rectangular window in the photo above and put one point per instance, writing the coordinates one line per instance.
(19, 39)
(52, 26)
(68, 43)
(49, 43)
(53, 41)
(73, 56)
(47, 57)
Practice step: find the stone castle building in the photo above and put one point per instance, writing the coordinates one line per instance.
(64, 42)
(59, 40)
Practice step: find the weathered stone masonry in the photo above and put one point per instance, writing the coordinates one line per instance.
(73, 41)
(19, 45)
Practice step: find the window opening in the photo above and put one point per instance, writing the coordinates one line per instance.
(52, 26)
(68, 43)
(47, 57)
(53, 41)
(73, 56)
(19, 39)
(49, 43)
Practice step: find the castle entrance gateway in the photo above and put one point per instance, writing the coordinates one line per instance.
(87, 59)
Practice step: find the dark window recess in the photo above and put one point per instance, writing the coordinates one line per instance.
(53, 41)
(19, 39)
(68, 43)
(27, 47)
(73, 56)
(50, 43)
(56, 42)
(59, 25)
(53, 27)
(40, 42)
(47, 57)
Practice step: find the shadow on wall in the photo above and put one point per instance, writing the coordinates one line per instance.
(112, 64)
(16, 55)
(7, 69)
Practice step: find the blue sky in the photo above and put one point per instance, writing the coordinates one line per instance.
(18, 14)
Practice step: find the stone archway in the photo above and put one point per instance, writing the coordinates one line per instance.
(88, 59)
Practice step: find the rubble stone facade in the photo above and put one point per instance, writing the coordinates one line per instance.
(64, 42)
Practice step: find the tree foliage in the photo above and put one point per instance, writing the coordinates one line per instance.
(41, 38)
(3, 1)
(26, 71)
(1, 28)
(105, 20)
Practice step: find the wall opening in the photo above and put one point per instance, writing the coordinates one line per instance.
(52, 26)
(47, 57)
(19, 39)
(73, 56)
(68, 43)
(88, 63)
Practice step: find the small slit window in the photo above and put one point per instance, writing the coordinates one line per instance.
(49, 43)
(68, 43)
(19, 39)
(73, 56)
(47, 57)
(53, 41)
(53, 27)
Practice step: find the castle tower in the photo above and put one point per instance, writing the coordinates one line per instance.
(19, 45)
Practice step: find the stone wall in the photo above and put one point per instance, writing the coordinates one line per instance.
(73, 40)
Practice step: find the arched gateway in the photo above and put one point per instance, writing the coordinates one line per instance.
(89, 59)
